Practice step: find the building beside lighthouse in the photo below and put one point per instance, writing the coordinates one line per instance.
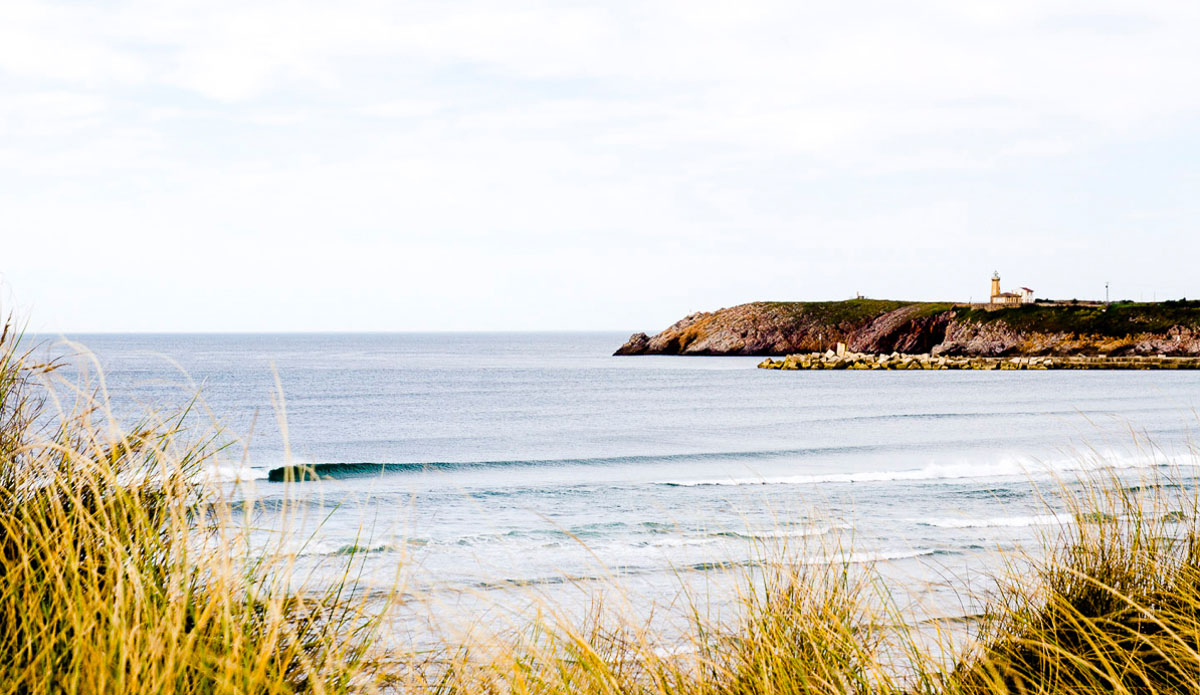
(1017, 298)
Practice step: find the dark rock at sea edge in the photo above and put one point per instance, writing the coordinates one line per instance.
(638, 344)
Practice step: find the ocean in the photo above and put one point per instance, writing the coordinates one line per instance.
(485, 464)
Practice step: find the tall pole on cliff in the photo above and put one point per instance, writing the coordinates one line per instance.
(1106, 293)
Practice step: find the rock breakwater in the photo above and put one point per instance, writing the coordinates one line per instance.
(859, 360)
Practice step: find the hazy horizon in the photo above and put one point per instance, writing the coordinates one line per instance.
(619, 331)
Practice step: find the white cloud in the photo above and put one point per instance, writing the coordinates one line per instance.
(774, 147)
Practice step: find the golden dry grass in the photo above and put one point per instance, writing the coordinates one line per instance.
(121, 572)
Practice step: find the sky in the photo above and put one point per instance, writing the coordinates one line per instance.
(366, 165)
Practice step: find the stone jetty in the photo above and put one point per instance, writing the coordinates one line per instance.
(895, 360)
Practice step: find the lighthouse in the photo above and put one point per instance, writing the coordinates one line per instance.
(999, 298)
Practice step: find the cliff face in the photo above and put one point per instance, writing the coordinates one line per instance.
(882, 326)
(1001, 340)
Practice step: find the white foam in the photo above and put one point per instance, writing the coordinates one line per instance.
(234, 474)
(681, 542)
(332, 547)
(861, 558)
(784, 533)
(1002, 521)
(1007, 468)
(765, 535)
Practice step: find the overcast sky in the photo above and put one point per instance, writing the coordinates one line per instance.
(399, 165)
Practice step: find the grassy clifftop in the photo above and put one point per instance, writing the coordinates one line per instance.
(834, 313)
(1117, 319)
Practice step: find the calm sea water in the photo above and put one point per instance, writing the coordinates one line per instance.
(539, 460)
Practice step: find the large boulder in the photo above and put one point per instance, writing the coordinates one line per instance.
(637, 344)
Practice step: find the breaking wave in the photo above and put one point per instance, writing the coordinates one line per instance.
(1001, 522)
(781, 534)
(351, 469)
(852, 558)
(1013, 468)
(234, 474)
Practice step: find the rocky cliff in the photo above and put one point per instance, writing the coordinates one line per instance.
(884, 326)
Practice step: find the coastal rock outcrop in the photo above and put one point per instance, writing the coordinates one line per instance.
(775, 328)
(637, 344)
(909, 329)
(870, 326)
(999, 339)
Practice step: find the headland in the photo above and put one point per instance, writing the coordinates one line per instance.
(877, 327)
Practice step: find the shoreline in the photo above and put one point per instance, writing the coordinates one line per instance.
(898, 361)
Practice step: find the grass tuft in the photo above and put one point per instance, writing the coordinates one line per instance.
(121, 571)
(1114, 606)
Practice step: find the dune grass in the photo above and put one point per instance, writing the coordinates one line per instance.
(1113, 608)
(121, 571)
